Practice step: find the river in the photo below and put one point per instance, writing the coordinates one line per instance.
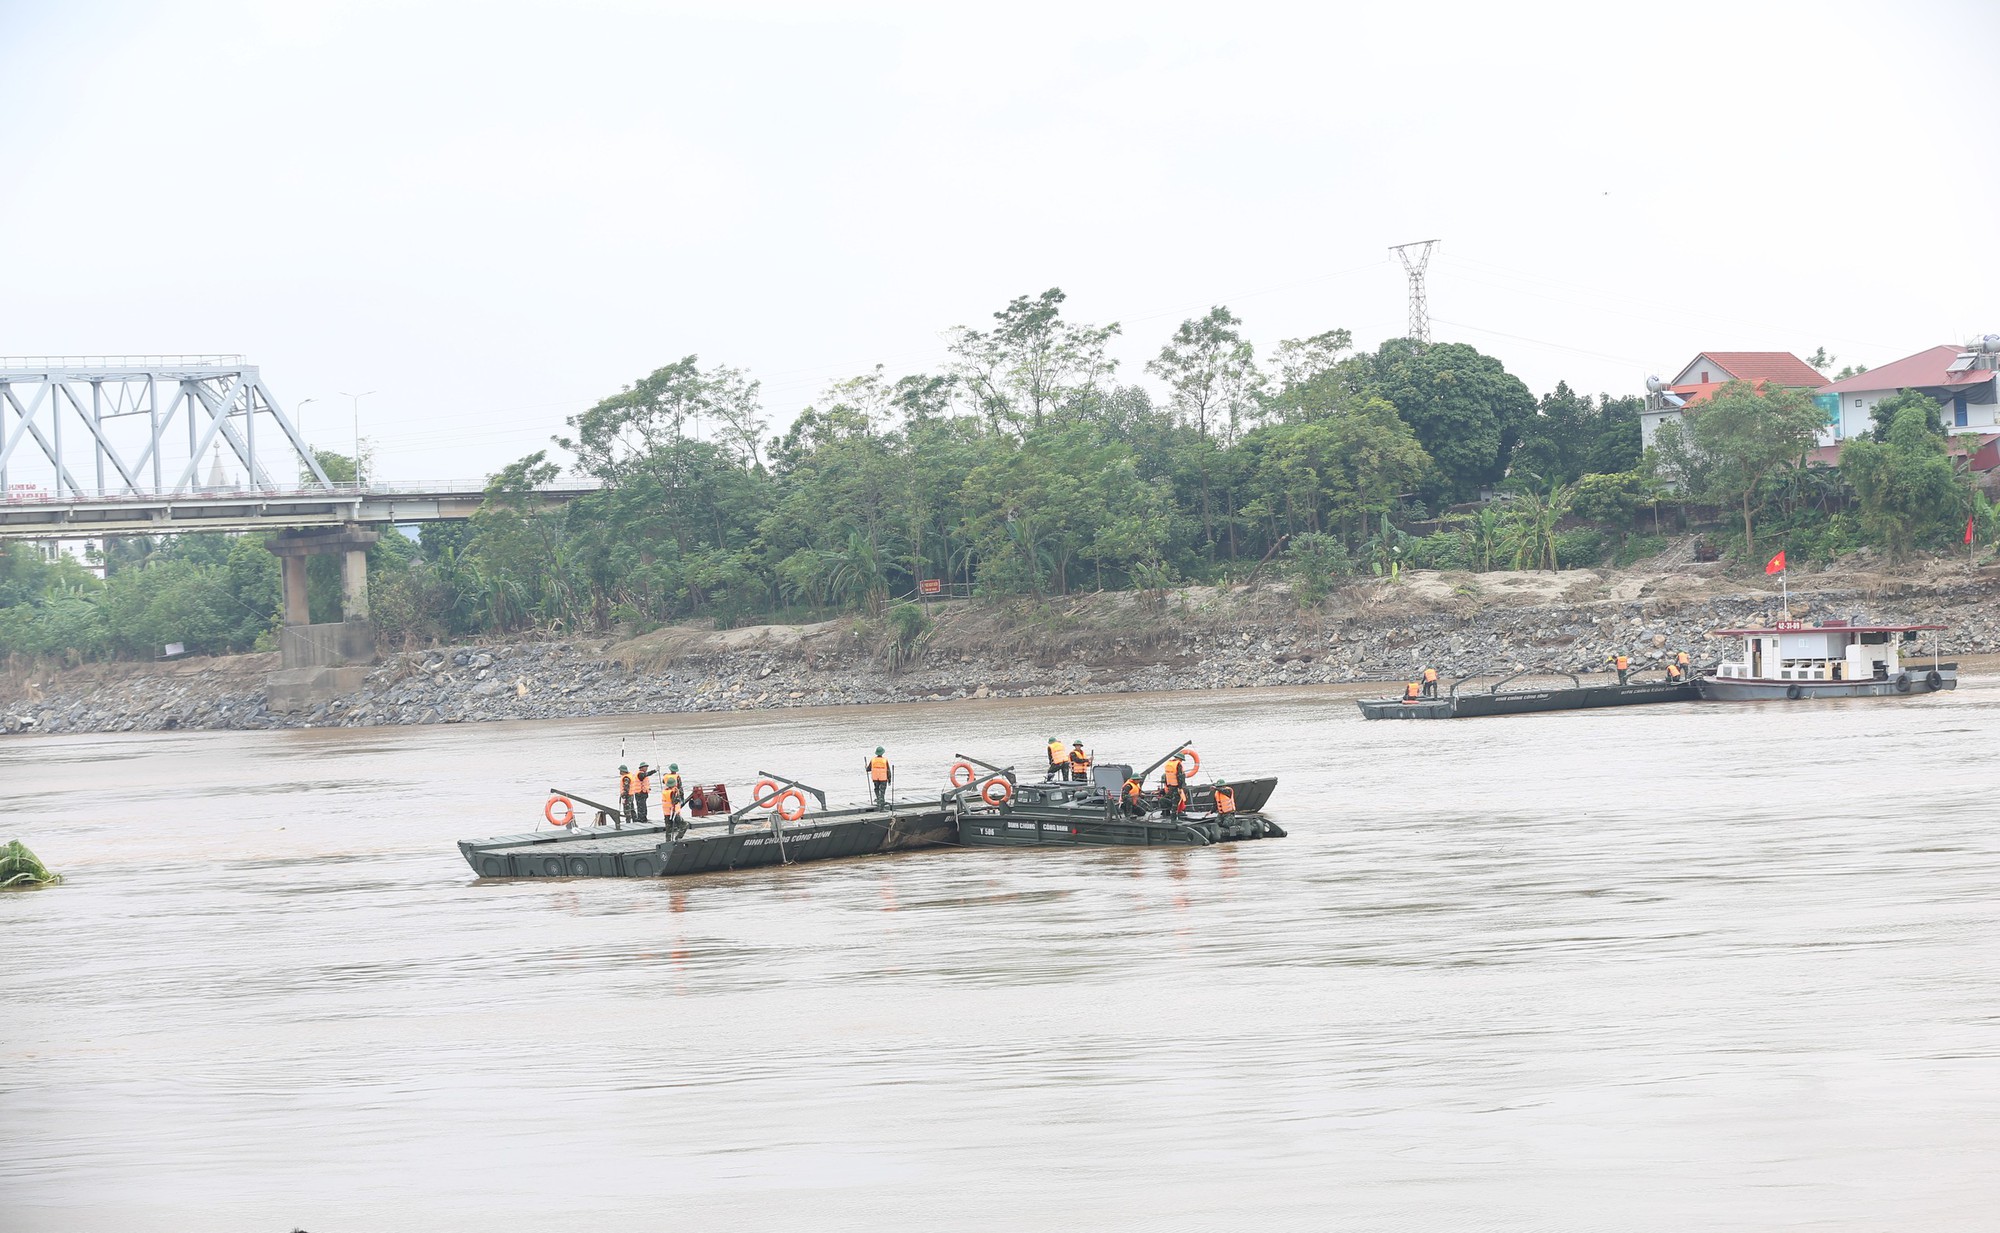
(1723, 966)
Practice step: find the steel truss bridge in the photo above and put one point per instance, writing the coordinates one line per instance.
(142, 426)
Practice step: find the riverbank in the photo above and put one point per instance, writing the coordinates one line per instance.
(1192, 638)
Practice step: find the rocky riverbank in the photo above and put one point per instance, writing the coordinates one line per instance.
(1196, 638)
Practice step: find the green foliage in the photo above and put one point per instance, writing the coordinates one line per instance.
(1579, 548)
(1638, 548)
(1611, 499)
(20, 870)
(1212, 371)
(1905, 485)
(1570, 436)
(1442, 550)
(1723, 449)
(1466, 410)
(1316, 562)
(1529, 523)
(1883, 414)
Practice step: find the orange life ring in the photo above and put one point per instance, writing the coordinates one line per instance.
(764, 794)
(997, 792)
(568, 811)
(1193, 761)
(797, 800)
(962, 774)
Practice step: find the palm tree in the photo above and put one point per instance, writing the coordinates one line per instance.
(1532, 518)
(855, 574)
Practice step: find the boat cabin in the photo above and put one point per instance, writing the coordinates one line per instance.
(1827, 651)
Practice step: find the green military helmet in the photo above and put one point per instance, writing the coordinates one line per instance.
(675, 768)
(623, 767)
(878, 751)
(645, 766)
(1222, 783)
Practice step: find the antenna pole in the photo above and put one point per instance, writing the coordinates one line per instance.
(1420, 315)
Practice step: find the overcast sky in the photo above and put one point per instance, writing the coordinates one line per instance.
(494, 214)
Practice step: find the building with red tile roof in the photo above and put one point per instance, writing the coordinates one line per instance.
(1710, 371)
(1962, 380)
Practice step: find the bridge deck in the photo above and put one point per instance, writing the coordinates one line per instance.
(248, 510)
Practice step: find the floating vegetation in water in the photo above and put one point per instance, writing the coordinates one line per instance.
(19, 869)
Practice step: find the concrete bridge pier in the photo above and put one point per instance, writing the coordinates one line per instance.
(320, 662)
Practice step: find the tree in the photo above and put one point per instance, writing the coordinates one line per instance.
(1212, 372)
(1032, 363)
(1740, 435)
(1466, 409)
(1905, 486)
(1883, 414)
(1531, 519)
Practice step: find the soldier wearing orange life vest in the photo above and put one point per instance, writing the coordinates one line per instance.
(1624, 665)
(879, 774)
(1430, 682)
(1132, 797)
(1413, 692)
(1079, 763)
(642, 788)
(1225, 800)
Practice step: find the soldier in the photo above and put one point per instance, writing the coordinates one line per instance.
(878, 778)
(642, 789)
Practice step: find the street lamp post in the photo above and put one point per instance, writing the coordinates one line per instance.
(357, 431)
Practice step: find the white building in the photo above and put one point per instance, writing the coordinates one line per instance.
(1709, 372)
(1962, 380)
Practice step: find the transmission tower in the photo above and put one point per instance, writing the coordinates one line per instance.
(1420, 314)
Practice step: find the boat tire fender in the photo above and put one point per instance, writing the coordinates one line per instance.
(791, 805)
(1934, 679)
(1902, 682)
(1794, 692)
(568, 817)
(962, 774)
(997, 792)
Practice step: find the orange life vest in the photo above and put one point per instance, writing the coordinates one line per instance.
(642, 783)
(624, 783)
(1079, 761)
(1624, 662)
(1412, 691)
(1225, 800)
(1170, 774)
(671, 785)
(1430, 675)
(1056, 755)
(1132, 790)
(878, 769)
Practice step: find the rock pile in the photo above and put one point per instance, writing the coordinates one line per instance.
(1222, 642)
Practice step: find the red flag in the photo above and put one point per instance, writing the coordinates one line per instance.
(1776, 563)
(1969, 518)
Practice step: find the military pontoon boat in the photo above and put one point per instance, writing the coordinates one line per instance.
(986, 806)
(736, 840)
(1499, 699)
(994, 809)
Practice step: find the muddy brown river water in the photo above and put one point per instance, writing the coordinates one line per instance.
(1720, 967)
